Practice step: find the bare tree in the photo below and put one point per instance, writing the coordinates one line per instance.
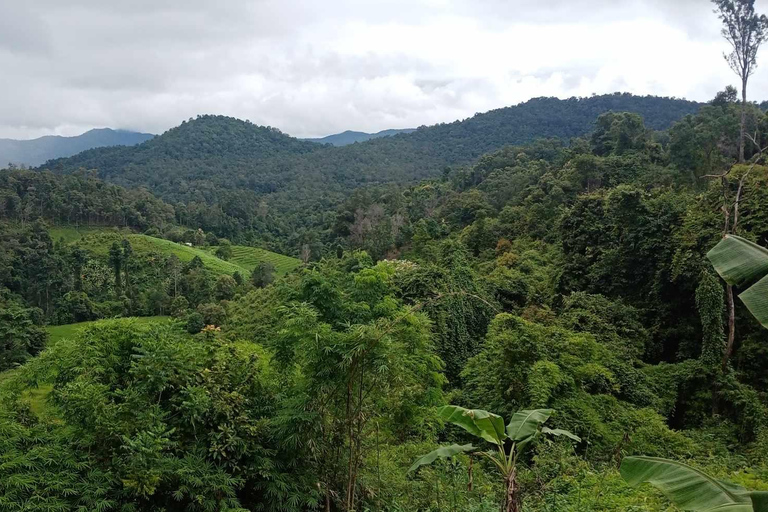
(306, 253)
(745, 30)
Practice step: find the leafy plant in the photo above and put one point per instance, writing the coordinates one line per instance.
(524, 427)
(690, 488)
(741, 262)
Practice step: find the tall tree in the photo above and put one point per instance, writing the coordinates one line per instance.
(127, 252)
(116, 259)
(745, 30)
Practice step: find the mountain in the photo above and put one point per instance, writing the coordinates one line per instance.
(262, 181)
(38, 151)
(350, 137)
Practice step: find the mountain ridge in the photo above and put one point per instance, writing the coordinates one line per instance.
(35, 152)
(271, 184)
(350, 136)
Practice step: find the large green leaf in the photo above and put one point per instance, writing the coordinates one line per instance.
(560, 432)
(759, 501)
(741, 262)
(756, 299)
(481, 423)
(443, 452)
(526, 423)
(686, 487)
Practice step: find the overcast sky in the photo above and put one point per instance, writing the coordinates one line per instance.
(317, 67)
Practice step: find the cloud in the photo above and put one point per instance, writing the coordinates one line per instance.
(311, 68)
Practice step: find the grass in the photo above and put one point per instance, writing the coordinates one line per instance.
(99, 244)
(244, 259)
(74, 234)
(59, 332)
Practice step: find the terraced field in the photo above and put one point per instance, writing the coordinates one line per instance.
(244, 259)
(250, 257)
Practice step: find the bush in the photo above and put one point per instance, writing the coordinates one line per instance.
(194, 322)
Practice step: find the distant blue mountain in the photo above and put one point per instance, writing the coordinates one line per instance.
(350, 137)
(36, 152)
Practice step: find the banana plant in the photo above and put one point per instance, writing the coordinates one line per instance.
(691, 489)
(524, 427)
(741, 262)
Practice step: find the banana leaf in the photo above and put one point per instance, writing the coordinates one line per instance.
(481, 423)
(525, 424)
(560, 432)
(686, 487)
(741, 262)
(444, 452)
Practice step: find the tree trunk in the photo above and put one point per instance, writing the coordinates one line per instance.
(742, 132)
(731, 327)
(512, 500)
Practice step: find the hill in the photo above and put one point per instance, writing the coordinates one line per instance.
(38, 151)
(283, 189)
(244, 260)
(350, 137)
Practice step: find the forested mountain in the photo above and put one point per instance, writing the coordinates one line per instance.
(268, 186)
(350, 137)
(566, 279)
(35, 152)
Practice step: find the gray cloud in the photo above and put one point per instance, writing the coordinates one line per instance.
(313, 68)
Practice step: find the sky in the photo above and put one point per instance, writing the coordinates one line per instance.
(312, 68)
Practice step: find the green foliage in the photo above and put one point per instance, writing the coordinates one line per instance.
(567, 276)
(444, 452)
(224, 251)
(263, 275)
(741, 262)
(711, 305)
(178, 421)
(20, 337)
(458, 305)
(524, 427)
(690, 488)
(238, 179)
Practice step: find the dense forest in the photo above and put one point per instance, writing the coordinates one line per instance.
(558, 306)
(567, 278)
(256, 184)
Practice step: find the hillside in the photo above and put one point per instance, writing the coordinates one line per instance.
(282, 189)
(244, 260)
(38, 151)
(350, 137)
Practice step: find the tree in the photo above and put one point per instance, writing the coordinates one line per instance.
(263, 274)
(618, 132)
(225, 287)
(745, 30)
(20, 338)
(174, 268)
(127, 252)
(731, 210)
(524, 427)
(725, 97)
(224, 251)
(306, 253)
(116, 260)
(79, 258)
